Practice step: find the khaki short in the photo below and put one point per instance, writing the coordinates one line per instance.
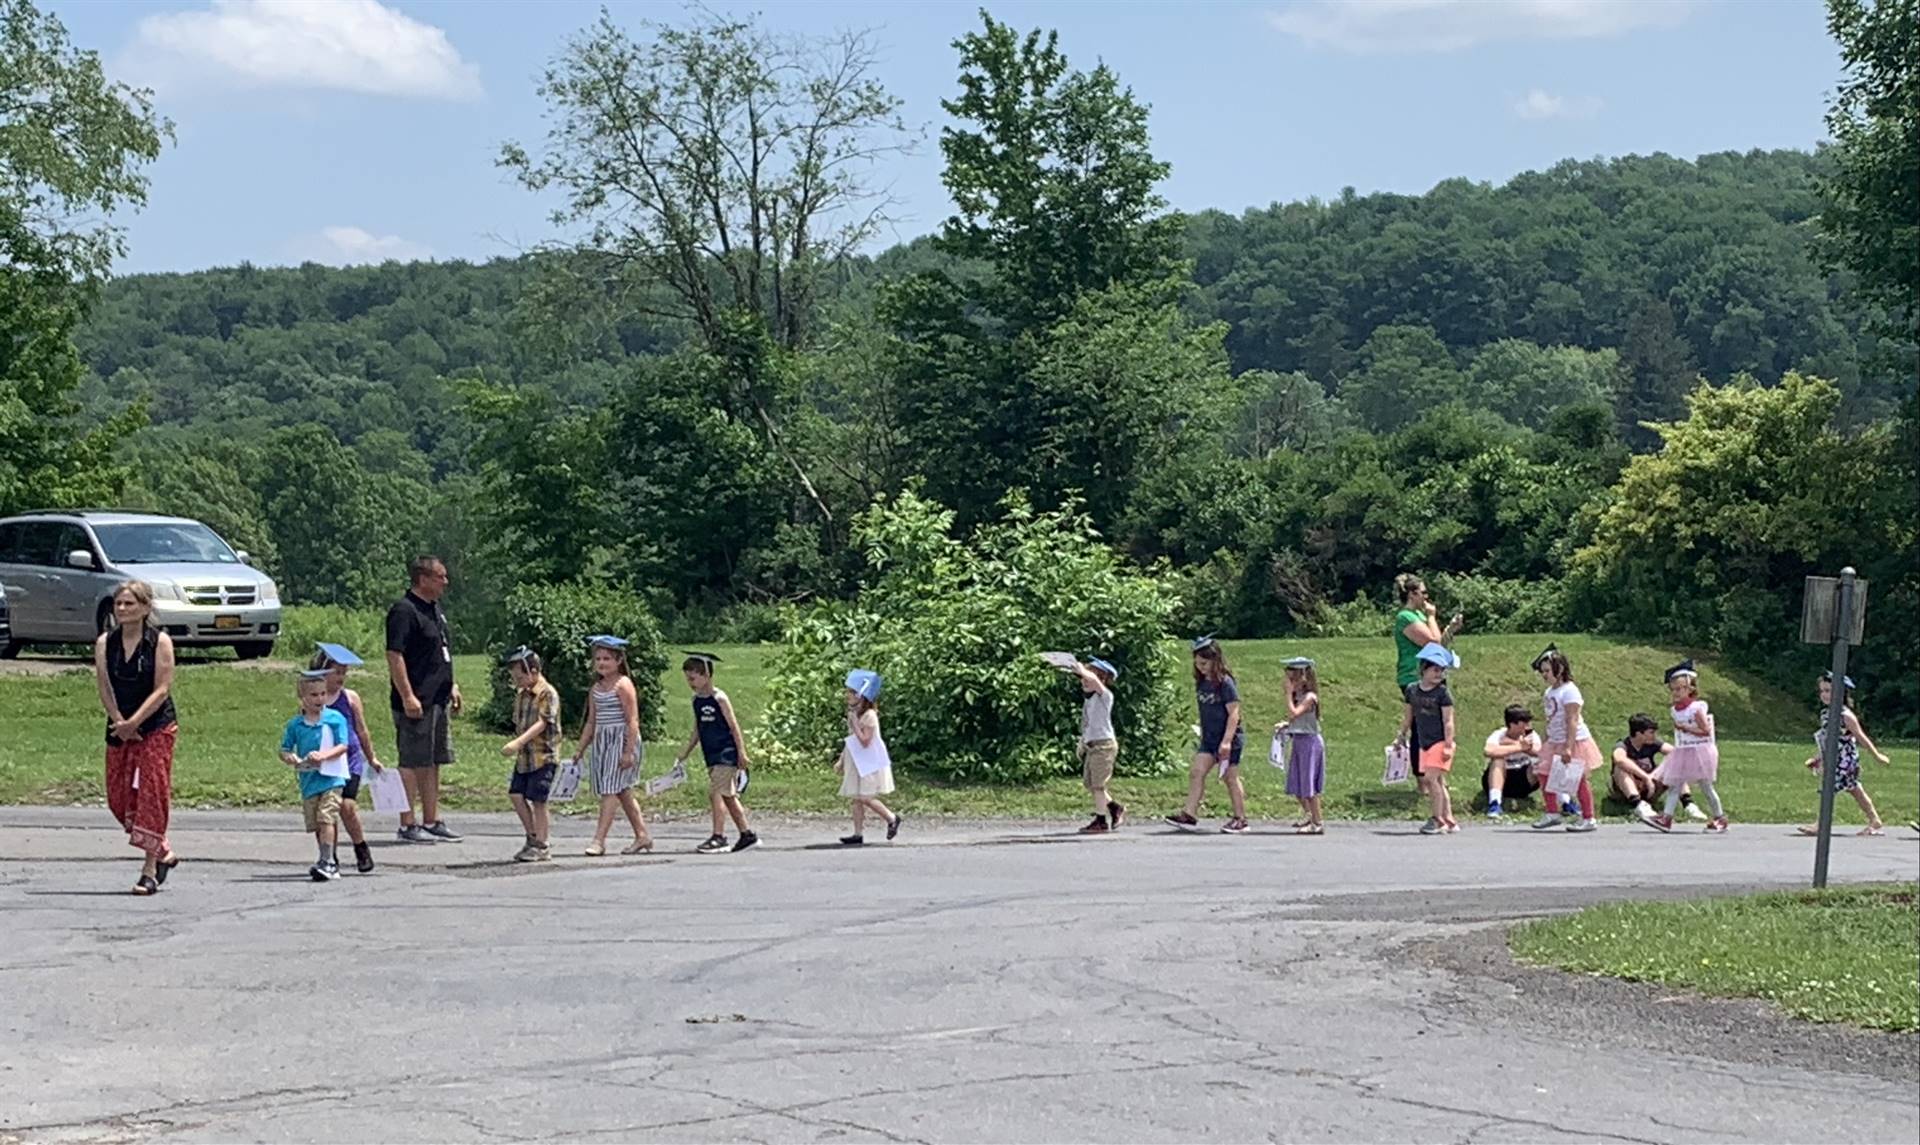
(721, 778)
(1096, 763)
(322, 810)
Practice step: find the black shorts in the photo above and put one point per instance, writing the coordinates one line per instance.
(351, 791)
(425, 742)
(534, 785)
(1519, 783)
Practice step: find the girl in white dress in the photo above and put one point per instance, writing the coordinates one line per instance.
(612, 728)
(863, 727)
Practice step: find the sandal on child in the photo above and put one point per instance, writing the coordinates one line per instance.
(596, 849)
(163, 868)
(638, 847)
(146, 886)
(1310, 829)
(1872, 830)
(1809, 831)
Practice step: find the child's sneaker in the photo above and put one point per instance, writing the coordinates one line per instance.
(853, 840)
(1234, 827)
(527, 854)
(439, 830)
(1097, 827)
(1717, 826)
(413, 833)
(1546, 822)
(1661, 823)
(1116, 814)
(362, 858)
(746, 839)
(1184, 821)
(1432, 827)
(323, 872)
(1495, 813)
(713, 845)
(1582, 826)
(1694, 813)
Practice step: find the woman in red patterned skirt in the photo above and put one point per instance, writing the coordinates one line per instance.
(133, 664)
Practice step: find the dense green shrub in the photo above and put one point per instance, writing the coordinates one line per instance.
(1494, 604)
(362, 630)
(955, 628)
(555, 621)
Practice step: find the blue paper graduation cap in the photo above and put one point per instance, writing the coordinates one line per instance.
(1300, 662)
(707, 658)
(1683, 668)
(1204, 642)
(1845, 681)
(1544, 653)
(338, 654)
(1112, 672)
(865, 684)
(1438, 654)
(519, 655)
(315, 674)
(603, 641)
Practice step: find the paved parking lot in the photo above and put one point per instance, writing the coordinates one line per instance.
(977, 982)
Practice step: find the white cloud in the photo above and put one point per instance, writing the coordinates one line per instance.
(1366, 26)
(343, 45)
(345, 246)
(1538, 104)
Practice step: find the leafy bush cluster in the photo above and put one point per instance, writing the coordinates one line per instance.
(555, 621)
(955, 627)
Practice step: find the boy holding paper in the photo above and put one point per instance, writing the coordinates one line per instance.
(865, 768)
(1099, 747)
(314, 744)
(535, 751)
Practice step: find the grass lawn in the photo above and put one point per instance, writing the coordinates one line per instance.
(231, 715)
(1838, 955)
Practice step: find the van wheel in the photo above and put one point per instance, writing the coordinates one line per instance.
(253, 649)
(11, 649)
(103, 617)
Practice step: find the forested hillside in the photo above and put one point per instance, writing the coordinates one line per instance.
(1640, 395)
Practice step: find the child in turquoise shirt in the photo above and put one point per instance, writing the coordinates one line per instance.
(315, 746)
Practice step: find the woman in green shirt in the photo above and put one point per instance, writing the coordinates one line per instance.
(1415, 626)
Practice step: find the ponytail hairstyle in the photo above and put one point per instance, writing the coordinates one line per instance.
(1311, 679)
(1555, 662)
(1406, 584)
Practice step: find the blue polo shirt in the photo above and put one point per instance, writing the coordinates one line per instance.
(302, 737)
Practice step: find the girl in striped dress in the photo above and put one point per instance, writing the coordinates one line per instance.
(611, 733)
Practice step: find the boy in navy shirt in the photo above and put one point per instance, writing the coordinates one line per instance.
(314, 744)
(717, 733)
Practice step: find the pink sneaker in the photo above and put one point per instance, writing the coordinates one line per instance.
(1717, 826)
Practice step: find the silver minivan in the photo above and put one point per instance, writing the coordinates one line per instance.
(58, 571)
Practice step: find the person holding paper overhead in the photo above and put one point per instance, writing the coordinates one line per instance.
(314, 744)
(1099, 747)
(866, 770)
(334, 660)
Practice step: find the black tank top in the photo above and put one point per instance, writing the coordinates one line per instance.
(716, 738)
(131, 678)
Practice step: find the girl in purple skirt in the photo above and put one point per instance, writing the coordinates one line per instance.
(1306, 751)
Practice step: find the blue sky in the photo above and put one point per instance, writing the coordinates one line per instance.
(351, 130)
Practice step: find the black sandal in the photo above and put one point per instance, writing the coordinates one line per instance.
(162, 870)
(146, 886)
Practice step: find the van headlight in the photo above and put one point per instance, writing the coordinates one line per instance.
(165, 590)
(270, 593)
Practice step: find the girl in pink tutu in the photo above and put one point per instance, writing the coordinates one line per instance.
(1695, 758)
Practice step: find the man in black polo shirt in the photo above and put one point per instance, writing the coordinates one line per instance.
(424, 696)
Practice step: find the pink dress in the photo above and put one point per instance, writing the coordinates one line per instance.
(1695, 758)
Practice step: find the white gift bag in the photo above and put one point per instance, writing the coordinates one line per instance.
(389, 792)
(1277, 751)
(566, 782)
(1565, 776)
(1399, 764)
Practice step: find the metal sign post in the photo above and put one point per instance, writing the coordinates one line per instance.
(1833, 610)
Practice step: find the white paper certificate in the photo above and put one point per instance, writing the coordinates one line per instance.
(868, 759)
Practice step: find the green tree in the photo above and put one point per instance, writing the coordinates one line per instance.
(1871, 217)
(1660, 373)
(718, 171)
(73, 150)
(1405, 372)
(1528, 384)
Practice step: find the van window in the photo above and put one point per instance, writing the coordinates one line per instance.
(68, 538)
(36, 542)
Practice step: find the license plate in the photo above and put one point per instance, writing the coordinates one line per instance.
(226, 622)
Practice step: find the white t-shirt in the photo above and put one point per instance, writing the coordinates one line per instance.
(1694, 713)
(1096, 717)
(1557, 699)
(1528, 758)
